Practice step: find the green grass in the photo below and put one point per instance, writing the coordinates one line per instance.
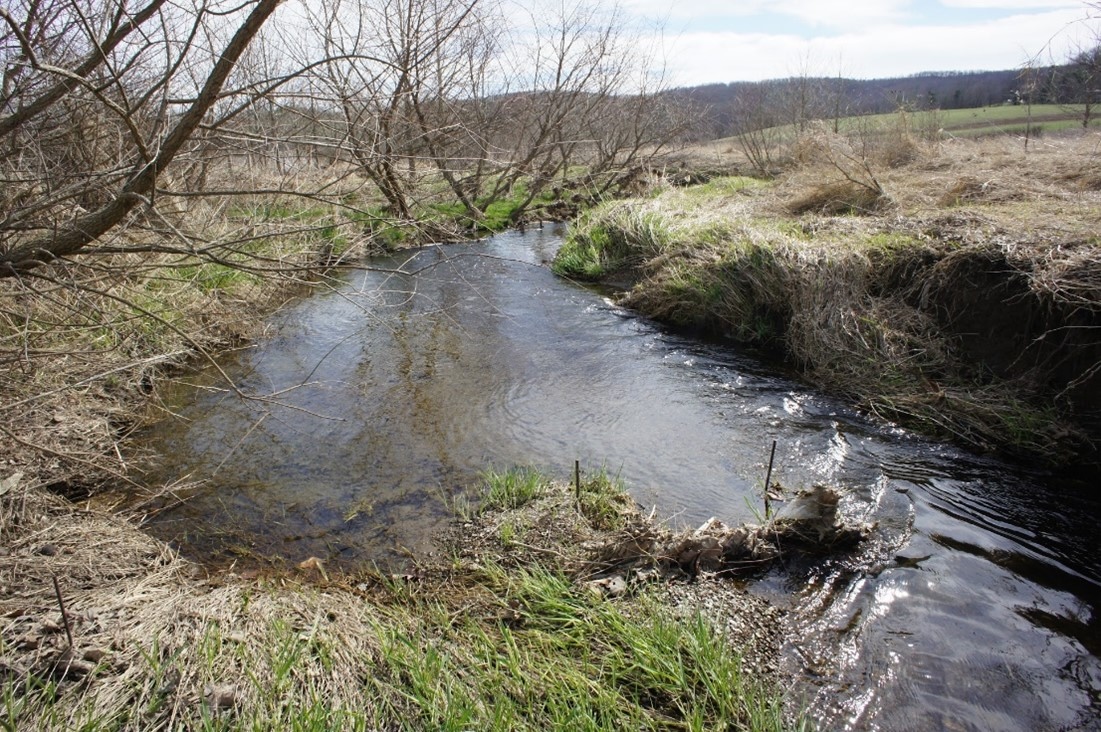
(476, 644)
(952, 119)
(567, 660)
(604, 500)
(571, 661)
(512, 488)
(618, 235)
(383, 229)
(725, 185)
(492, 216)
(211, 276)
(971, 122)
(994, 120)
(579, 260)
(279, 210)
(335, 239)
(608, 238)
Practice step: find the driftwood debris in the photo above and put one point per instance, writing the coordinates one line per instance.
(810, 523)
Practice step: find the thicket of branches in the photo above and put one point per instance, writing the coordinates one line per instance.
(110, 108)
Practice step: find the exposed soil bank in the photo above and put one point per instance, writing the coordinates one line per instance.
(959, 290)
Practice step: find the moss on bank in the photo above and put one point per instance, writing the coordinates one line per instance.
(975, 319)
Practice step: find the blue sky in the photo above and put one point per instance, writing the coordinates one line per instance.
(707, 41)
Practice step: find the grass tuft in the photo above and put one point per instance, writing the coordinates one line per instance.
(512, 488)
(611, 238)
(604, 500)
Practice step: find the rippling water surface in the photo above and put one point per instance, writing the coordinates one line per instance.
(974, 606)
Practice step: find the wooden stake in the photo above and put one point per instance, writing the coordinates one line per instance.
(768, 479)
(64, 615)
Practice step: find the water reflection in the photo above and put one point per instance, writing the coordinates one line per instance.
(974, 606)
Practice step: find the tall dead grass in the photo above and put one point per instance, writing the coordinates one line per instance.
(82, 343)
(954, 286)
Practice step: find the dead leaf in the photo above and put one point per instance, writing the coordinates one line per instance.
(314, 563)
(10, 483)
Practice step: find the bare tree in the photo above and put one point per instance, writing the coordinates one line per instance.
(1029, 81)
(379, 59)
(569, 101)
(1073, 81)
(758, 126)
(448, 88)
(769, 117)
(98, 100)
(107, 107)
(1079, 80)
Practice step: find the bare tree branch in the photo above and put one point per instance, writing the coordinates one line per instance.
(85, 229)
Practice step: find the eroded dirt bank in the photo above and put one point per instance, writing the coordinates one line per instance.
(957, 287)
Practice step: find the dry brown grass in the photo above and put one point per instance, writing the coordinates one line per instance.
(82, 346)
(838, 197)
(157, 643)
(82, 343)
(964, 296)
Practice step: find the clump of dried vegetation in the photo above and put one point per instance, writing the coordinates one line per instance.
(105, 627)
(954, 287)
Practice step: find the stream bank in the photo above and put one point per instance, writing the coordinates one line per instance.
(499, 632)
(963, 296)
(477, 355)
(1010, 574)
(969, 574)
(135, 636)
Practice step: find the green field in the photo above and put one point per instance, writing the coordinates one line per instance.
(983, 120)
(936, 123)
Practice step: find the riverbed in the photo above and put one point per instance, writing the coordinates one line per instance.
(374, 404)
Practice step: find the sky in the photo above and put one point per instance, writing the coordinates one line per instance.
(718, 41)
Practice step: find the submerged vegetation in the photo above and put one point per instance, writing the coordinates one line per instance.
(956, 289)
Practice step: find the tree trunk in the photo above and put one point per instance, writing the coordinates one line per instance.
(84, 230)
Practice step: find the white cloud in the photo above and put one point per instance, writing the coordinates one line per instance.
(691, 9)
(1014, 4)
(890, 49)
(844, 13)
(824, 13)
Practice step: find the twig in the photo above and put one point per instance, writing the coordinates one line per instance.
(64, 614)
(82, 382)
(768, 478)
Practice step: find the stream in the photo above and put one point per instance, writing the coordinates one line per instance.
(976, 605)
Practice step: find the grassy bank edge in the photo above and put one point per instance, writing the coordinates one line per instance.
(838, 294)
(493, 636)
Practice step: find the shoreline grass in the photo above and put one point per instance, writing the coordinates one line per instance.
(959, 308)
(469, 643)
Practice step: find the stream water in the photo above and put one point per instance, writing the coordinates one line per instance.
(976, 605)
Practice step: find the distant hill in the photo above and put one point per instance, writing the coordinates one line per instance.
(722, 110)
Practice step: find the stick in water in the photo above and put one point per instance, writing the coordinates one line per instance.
(768, 479)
